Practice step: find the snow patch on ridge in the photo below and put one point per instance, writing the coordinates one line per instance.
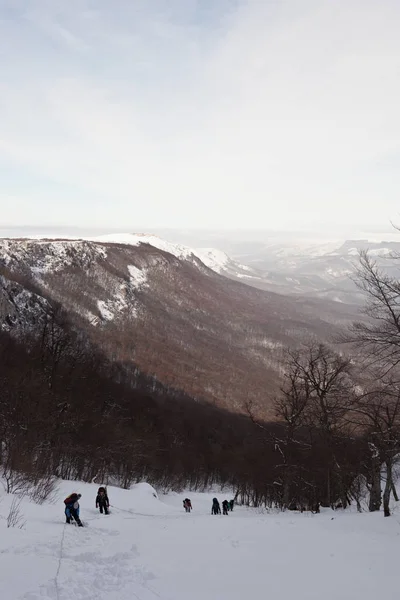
(138, 276)
(212, 258)
(105, 312)
(122, 298)
(109, 309)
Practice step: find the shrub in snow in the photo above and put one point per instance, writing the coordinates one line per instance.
(44, 490)
(15, 482)
(15, 517)
(38, 489)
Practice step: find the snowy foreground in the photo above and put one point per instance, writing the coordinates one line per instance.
(150, 549)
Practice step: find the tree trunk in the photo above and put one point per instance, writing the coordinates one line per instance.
(343, 495)
(328, 489)
(388, 488)
(395, 496)
(287, 485)
(375, 496)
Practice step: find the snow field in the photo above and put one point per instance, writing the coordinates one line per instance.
(149, 549)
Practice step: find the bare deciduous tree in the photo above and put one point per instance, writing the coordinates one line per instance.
(379, 412)
(378, 342)
(378, 337)
(291, 407)
(324, 379)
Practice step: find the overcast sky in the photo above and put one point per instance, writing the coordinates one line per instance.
(208, 113)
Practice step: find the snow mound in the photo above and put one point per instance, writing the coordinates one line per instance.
(144, 490)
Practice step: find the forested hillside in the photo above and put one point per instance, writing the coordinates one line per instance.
(166, 313)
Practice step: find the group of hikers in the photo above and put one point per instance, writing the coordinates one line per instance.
(102, 503)
(72, 508)
(226, 506)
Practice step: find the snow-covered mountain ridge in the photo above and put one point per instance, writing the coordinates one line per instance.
(312, 268)
(215, 259)
(301, 267)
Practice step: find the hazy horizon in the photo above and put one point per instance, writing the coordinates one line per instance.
(236, 114)
(176, 235)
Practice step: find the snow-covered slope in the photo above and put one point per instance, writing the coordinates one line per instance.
(213, 258)
(134, 239)
(150, 549)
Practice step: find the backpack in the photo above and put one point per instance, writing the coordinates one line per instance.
(70, 499)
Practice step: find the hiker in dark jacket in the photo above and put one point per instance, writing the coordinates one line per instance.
(187, 505)
(215, 509)
(102, 501)
(72, 509)
(225, 507)
(231, 503)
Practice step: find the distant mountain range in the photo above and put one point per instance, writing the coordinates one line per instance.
(320, 270)
(295, 266)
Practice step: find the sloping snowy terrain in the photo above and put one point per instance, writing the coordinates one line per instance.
(149, 549)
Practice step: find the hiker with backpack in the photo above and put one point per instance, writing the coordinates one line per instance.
(102, 502)
(225, 507)
(187, 505)
(215, 509)
(72, 509)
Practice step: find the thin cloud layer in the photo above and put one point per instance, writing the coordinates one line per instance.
(185, 113)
